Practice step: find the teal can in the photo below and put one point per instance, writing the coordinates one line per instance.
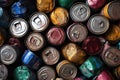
(91, 67)
(23, 73)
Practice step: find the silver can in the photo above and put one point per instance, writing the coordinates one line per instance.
(18, 27)
(39, 21)
(8, 54)
(3, 72)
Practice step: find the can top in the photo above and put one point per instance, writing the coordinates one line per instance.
(34, 41)
(18, 27)
(114, 10)
(46, 73)
(77, 32)
(3, 72)
(68, 71)
(79, 12)
(112, 56)
(39, 21)
(50, 55)
(22, 72)
(98, 24)
(8, 54)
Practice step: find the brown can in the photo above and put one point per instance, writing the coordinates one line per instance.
(117, 72)
(46, 73)
(112, 10)
(50, 55)
(66, 70)
(34, 41)
(113, 35)
(45, 6)
(59, 16)
(74, 53)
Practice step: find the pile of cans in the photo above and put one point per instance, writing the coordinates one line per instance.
(59, 39)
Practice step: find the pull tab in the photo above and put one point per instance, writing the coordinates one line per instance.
(81, 11)
(48, 53)
(101, 24)
(37, 20)
(76, 34)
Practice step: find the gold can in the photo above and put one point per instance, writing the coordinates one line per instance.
(117, 72)
(74, 53)
(59, 16)
(45, 6)
(112, 10)
(113, 35)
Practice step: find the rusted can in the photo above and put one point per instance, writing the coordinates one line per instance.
(92, 45)
(112, 10)
(45, 6)
(95, 4)
(111, 56)
(79, 12)
(113, 35)
(18, 27)
(35, 41)
(98, 24)
(46, 73)
(3, 72)
(74, 53)
(77, 32)
(59, 16)
(117, 72)
(39, 21)
(104, 75)
(66, 70)
(50, 55)
(8, 54)
(91, 67)
(56, 36)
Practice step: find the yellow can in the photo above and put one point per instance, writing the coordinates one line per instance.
(113, 35)
(74, 53)
(59, 16)
(45, 6)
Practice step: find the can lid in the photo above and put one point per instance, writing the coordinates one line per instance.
(50, 55)
(34, 41)
(46, 73)
(22, 73)
(39, 21)
(112, 56)
(98, 24)
(8, 54)
(114, 10)
(68, 71)
(18, 27)
(3, 72)
(79, 12)
(77, 32)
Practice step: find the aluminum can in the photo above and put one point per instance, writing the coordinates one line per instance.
(50, 55)
(74, 53)
(31, 60)
(46, 73)
(18, 27)
(23, 73)
(3, 72)
(45, 6)
(56, 36)
(66, 70)
(59, 17)
(35, 41)
(79, 12)
(77, 32)
(8, 54)
(98, 24)
(39, 21)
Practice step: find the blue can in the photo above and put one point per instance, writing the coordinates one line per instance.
(18, 9)
(4, 18)
(31, 60)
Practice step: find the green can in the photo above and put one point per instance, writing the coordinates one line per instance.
(23, 73)
(65, 3)
(91, 67)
